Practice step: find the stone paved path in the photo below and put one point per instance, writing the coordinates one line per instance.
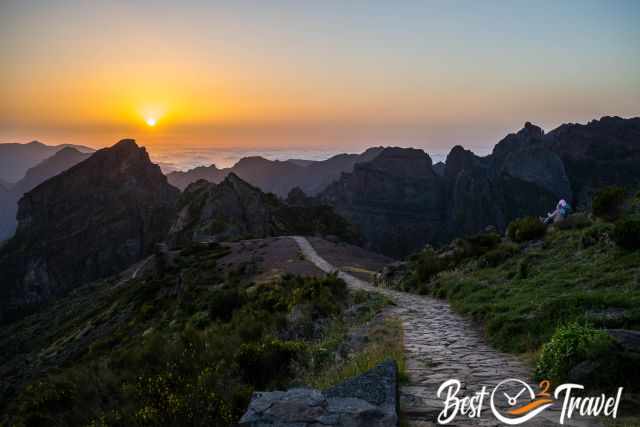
(440, 345)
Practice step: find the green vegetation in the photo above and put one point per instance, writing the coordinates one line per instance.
(627, 232)
(570, 345)
(525, 229)
(525, 294)
(191, 342)
(607, 202)
(385, 342)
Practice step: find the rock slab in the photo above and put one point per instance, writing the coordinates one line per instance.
(368, 400)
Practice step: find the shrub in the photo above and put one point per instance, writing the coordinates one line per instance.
(482, 243)
(200, 319)
(264, 363)
(224, 302)
(428, 264)
(595, 234)
(525, 229)
(607, 202)
(570, 345)
(626, 233)
(576, 221)
(500, 254)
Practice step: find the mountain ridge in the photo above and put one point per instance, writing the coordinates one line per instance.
(90, 221)
(526, 174)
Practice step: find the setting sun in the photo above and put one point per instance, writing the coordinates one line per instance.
(151, 121)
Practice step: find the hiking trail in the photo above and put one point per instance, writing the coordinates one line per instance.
(441, 345)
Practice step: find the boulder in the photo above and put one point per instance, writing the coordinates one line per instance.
(368, 400)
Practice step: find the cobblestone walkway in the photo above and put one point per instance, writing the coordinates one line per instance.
(441, 345)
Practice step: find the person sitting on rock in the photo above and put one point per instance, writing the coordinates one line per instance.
(560, 214)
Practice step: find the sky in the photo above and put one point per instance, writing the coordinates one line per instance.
(316, 77)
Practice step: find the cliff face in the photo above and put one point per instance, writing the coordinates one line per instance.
(91, 221)
(396, 200)
(401, 202)
(52, 166)
(235, 209)
(602, 152)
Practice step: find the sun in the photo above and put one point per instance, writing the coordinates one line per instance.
(151, 121)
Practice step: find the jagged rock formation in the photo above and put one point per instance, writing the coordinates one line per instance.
(52, 166)
(391, 197)
(235, 209)
(368, 400)
(91, 221)
(278, 177)
(401, 201)
(7, 215)
(602, 152)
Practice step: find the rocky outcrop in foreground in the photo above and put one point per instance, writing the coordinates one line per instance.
(368, 400)
(89, 222)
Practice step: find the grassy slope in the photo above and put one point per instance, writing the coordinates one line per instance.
(523, 300)
(185, 345)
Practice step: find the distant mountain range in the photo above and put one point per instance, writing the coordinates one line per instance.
(16, 159)
(85, 218)
(279, 177)
(60, 161)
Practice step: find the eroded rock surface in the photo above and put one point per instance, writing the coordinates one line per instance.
(368, 400)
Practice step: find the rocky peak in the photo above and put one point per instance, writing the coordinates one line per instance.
(515, 141)
(297, 197)
(401, 162)
(458, 160)
(531, 131)
(235, 208)
(88, 222)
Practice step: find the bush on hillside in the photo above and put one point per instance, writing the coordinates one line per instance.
(428, 264)
(626, 233)
(269, 362)
(570, 345)
(525, 229)
(576, 221)
(482, 243)
(500, 254)
(607, 202)
(595, 234)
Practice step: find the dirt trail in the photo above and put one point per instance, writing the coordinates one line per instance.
(441, 345)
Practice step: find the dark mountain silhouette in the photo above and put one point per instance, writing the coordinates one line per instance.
(302, 162)
(400, 201)
(235, 209)
(210, 173)
(91, 221)
(52, 166)
(7, 215)
(16, 159)
(279, 177)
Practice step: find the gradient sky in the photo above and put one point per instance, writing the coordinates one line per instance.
(316, 75)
